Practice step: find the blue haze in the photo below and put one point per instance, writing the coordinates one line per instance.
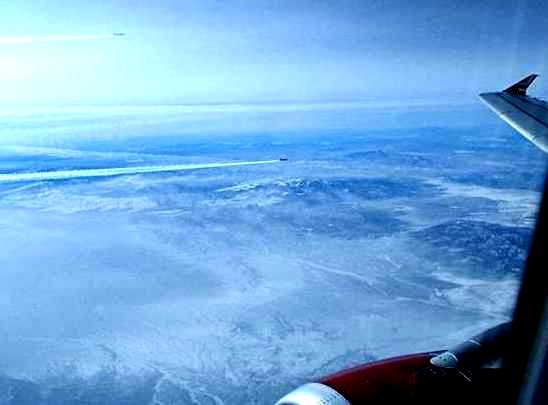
(399, 223)
(262, 51)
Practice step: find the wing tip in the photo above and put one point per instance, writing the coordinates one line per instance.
(487, 97)
(520, 88)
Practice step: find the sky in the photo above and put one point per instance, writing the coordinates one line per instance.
(55, 53)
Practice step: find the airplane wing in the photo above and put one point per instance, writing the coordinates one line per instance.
(527, 115)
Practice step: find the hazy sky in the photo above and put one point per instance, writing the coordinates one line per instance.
(63, 52)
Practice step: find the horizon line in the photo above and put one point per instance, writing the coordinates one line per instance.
(296, 105)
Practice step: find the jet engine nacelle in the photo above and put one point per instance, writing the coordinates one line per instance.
(386, 381)
(466, 373)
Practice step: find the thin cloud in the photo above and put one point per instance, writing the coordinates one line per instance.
(119, 171)
(30, 39)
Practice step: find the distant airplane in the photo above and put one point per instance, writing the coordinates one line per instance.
(494, 367)
(119, 34)
(283, 159)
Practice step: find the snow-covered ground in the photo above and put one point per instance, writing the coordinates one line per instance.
(233, 284)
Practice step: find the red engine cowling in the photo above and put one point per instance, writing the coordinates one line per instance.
(382, 382)
(466, 373)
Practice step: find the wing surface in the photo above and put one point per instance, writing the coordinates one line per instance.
(527, 115)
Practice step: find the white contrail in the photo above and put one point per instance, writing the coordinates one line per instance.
(29, 39)
(117, 171)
